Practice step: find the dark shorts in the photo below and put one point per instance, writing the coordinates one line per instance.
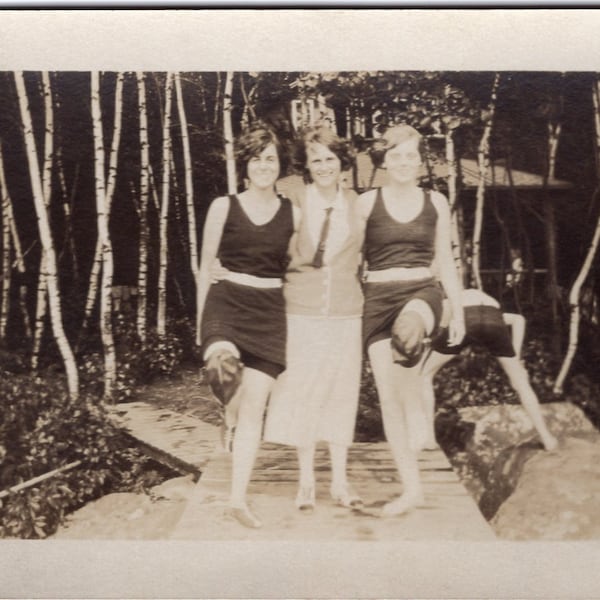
(385, 301)
(253, 319)
(485, 328)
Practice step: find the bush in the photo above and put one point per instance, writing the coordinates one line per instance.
(41, 429)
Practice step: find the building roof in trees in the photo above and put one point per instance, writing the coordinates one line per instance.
(498, 176)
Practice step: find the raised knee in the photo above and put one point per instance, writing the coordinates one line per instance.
(408, 334)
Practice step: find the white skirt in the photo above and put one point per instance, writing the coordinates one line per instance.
(316, 397)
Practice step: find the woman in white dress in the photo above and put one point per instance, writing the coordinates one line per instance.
(316, 397)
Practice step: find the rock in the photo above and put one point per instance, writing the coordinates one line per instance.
(557, 496)
(178, 488)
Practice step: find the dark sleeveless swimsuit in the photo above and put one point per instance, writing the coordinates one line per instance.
(252, 318)
(390, 243)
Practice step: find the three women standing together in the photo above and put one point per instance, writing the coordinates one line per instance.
(266, 257)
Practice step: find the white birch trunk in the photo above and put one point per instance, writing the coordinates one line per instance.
(483, 161)
(6, 262)
(574, 294)
(46, 239)
(42, 291)
(454, 231)
(142, 283)
(189, 188)
(110, 368)
(228, 134)
(109, 193)
(164, 210)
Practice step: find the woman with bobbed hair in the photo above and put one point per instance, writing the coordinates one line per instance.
(407, 239)
(316, 398)
(242, 322)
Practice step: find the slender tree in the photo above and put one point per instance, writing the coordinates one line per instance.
(483, 162)
(102, 208)
(46, 239)
(228, 134)
(189, 189)
(164, 209)
(109, 191)
(575, 293)
(6, 259)
(42, 290)
(142, 283)
(454, 229)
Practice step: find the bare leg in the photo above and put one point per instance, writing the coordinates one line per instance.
(305, 500)
(341, 492)
(519, 380)
(434, 363)
(392, 389)
(256, 388)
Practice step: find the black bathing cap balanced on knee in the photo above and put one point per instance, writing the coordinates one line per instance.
(408, 339)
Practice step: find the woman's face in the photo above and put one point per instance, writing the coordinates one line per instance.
(403, 161)
(263, 169)
(323, 165)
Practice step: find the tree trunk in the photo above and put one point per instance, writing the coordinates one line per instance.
(42, 292)
(454, 231)
(574, 295)
(550, 223)
(46, 239)
(102, 208)
(164, 210)
(483, 161)
(228, 134)
(189, 188)
(142, 283)
(6, 262)
(108, 193)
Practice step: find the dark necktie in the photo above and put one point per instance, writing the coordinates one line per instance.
(318, 258)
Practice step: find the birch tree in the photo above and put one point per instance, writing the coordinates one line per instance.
(164, 209)
(102, 208)
(483, 162)
(41, 302)
(142, 283)
(6, 262)
(454, 229)
(109, 191)
(575, 293)
(228, 134)
(189, 189)
(51, 273)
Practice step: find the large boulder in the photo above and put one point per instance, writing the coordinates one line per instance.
(557, 496)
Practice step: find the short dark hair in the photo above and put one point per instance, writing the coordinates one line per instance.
(252, 142)
(392, 137)
(320, 134)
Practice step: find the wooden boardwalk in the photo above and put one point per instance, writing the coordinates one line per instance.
(449, 512)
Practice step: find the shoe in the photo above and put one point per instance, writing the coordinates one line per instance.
(244, 516)
(224, 375)
(346, 497)
(305, 500)
(227, 433)
(402, 505)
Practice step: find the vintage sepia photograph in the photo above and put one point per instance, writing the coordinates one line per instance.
(259, 312)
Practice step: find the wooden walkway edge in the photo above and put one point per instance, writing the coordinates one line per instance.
(449, 512)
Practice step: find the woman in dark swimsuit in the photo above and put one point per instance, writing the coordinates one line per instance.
(242, 326)
(407, 236)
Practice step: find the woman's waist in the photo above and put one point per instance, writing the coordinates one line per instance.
(391, 274)
(254, 281)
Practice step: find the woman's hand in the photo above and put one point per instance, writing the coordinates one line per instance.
(456, 331)
(217, 271)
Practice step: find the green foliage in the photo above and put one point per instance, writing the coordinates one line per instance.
(41, 429)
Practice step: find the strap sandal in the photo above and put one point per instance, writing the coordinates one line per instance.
(227, 433)
(244, 516)
(346, 497)
(224, 375)
(305, 500)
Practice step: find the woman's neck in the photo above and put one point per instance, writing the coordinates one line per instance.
(260, 195)
(328, 193)
(408, 188)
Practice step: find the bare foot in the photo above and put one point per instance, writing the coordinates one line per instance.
(403, 504)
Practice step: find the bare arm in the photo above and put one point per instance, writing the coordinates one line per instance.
(211, 239)
(365, 204)
(447, 271)
(517, 329)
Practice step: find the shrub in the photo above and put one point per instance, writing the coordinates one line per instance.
(41, 429)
